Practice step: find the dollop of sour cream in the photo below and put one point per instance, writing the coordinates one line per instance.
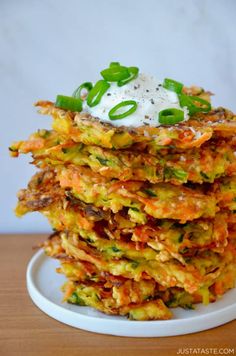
(150, 96)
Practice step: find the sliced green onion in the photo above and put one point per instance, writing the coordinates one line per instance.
(77, 93)
(114, 64)
(115, 73)
(95, 95)
(170, 116)
(173, 85)
(191, 101)
(112, 113)
(69, 103)
(133, 73)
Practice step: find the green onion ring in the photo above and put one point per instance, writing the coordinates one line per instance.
(114, 64)
(77, 93)
(96, 93)
(173, 85)
(133, 108)
(69, 103)
(189, 102)
(115, 73)
(133, 73)
(170, 116)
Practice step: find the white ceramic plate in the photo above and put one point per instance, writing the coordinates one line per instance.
(44, 288)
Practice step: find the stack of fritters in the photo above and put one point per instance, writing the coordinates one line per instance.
(144, 218)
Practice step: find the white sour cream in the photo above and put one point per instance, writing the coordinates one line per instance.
(150, 96)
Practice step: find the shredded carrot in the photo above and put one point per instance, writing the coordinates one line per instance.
(69, 290)
(35, 144)
(218, 288)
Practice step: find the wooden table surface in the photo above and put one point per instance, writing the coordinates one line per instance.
(25, 330)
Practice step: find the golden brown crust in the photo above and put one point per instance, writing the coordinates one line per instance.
(82, 127)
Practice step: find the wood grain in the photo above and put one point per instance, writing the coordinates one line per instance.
(25, 330)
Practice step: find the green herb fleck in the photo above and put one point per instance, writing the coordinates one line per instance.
(90, 240)
(188, 306)
(115, 249)
(65, 150)
(134, 264)
(75, 299)
(12, 149)
(180, 238)
(135, 209)
(204, 175)
(150, 192)
(175, 173)
(184, 250)
(103, 161)
(44, 133)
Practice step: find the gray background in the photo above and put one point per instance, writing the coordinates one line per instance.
(48, 47)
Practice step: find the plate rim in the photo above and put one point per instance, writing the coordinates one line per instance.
(98, 324)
